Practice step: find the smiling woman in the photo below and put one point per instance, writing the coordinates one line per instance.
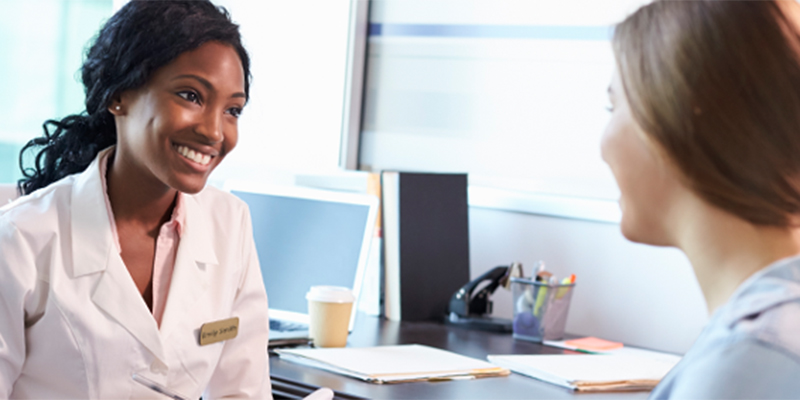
(118, 253)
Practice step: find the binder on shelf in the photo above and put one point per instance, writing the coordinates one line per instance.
(426, 243)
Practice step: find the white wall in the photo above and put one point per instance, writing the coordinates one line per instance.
(640, 295)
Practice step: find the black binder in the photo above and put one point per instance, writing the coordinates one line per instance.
(426, 243)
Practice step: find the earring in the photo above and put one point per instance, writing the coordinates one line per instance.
(117, 108)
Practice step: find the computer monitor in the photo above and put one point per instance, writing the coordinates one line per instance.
(307, 237)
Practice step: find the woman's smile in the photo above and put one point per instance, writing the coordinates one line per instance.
(195, 157)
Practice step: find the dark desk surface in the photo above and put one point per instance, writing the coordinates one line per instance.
(372, 331)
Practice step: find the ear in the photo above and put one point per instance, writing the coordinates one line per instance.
(116, 107)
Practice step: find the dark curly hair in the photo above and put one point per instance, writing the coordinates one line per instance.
(140, 38)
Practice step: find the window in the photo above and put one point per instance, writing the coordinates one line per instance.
(511, 91)
(43, 44)
(302, 62)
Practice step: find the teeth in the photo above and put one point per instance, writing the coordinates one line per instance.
(196, 156)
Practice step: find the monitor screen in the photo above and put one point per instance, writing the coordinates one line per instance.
(305, 242)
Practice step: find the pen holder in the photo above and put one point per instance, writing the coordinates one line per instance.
(540, 309)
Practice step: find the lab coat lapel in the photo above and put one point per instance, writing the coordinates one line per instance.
(94, 252)
(91, 231)
(118, 296)
(194, 261)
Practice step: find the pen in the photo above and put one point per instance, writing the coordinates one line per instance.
(566, 281)
(542, 294)
(157, 387)
(538, 267)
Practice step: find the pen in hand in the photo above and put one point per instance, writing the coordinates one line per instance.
(157, 387)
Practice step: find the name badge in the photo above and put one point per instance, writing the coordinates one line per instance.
(217, 331)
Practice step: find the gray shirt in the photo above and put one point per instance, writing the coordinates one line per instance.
(750, 348)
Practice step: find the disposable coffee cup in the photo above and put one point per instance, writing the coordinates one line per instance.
(329, 311)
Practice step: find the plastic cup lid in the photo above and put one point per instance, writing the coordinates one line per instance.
(330, 294)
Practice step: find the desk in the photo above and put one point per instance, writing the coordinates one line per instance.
(372, 331)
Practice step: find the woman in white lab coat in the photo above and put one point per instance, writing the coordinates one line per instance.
(119, 254)
(704, 142)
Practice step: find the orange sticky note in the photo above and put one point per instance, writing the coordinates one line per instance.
(593, 344)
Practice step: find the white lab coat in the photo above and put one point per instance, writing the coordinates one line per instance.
(73, 324)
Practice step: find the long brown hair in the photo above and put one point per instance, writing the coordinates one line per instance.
(716, 84)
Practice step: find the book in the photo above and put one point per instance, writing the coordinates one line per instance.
(426, 243)
(590, 373)
(393, 364)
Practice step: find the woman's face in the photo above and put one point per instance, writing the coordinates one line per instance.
(648, 182)
(180, 125)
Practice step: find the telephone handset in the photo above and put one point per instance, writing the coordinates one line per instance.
(470, 310)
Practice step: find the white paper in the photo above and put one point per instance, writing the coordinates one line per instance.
(389, 363)
(567, 370)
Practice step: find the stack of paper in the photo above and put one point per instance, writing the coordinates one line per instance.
(591, 373)
(390, 364)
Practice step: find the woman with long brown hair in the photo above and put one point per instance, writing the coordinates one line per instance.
(704, 142)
